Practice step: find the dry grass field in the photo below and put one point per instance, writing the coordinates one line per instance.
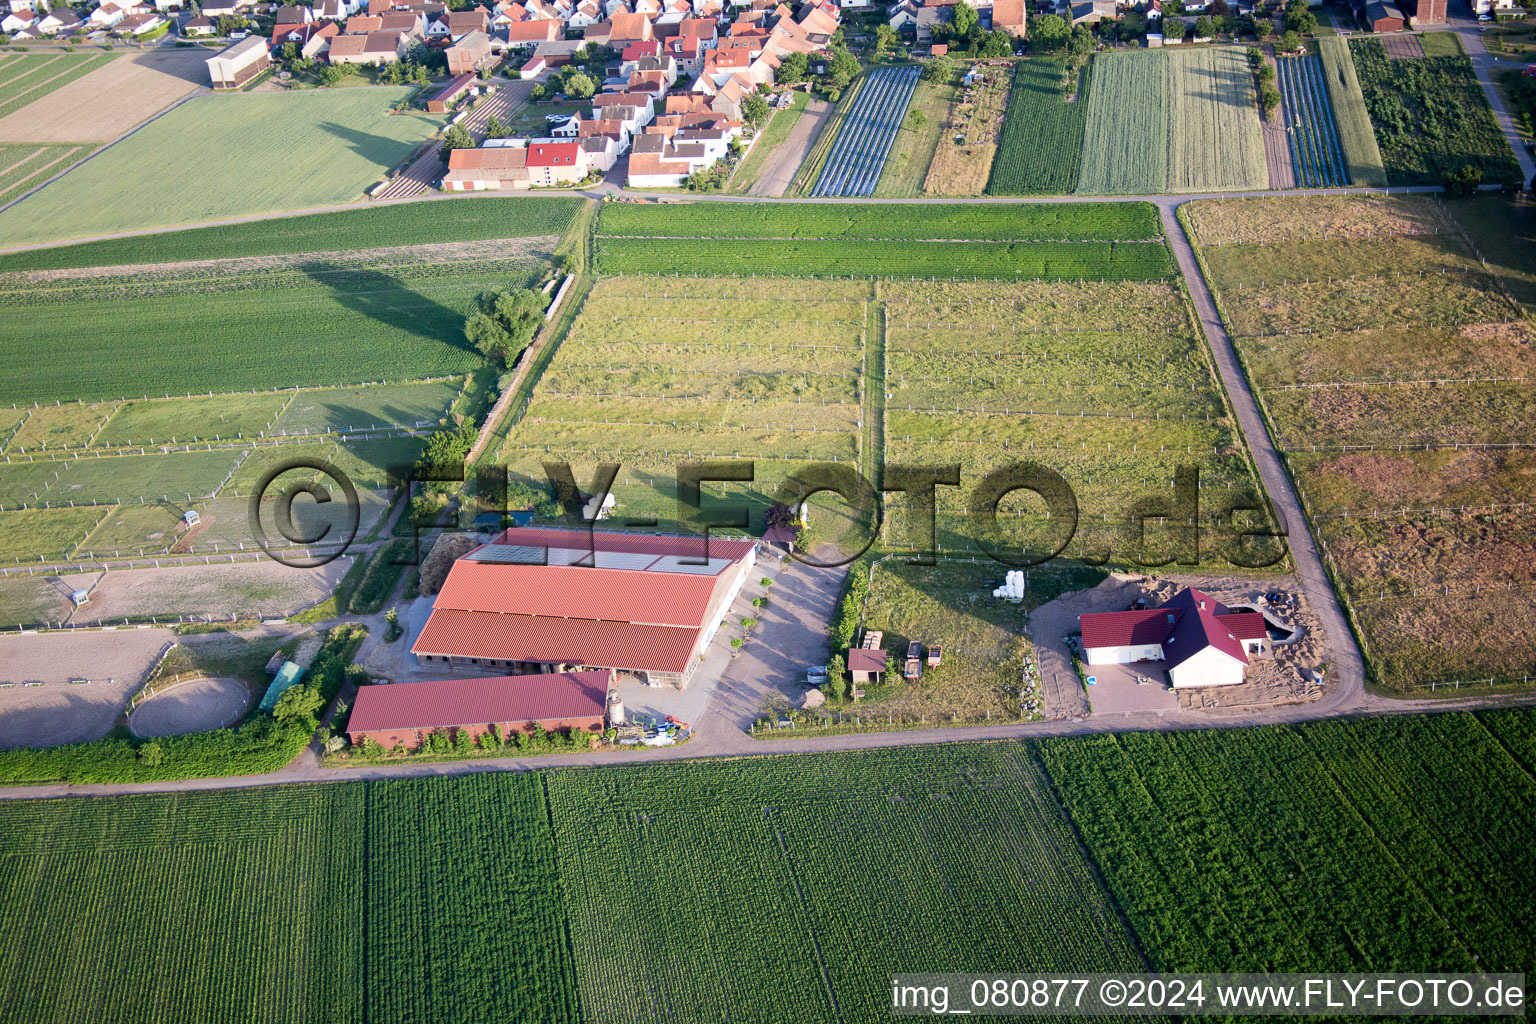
(1372, 328)
(245, 589)
(961, 168)
(110, 100)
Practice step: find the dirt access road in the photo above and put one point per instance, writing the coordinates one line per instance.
(786, 160)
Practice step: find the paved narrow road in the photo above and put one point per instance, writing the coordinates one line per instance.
(1465, 25)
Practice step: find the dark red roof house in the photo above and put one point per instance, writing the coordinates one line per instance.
(402, 714)
(1200, 641)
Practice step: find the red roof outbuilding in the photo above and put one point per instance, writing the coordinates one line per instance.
(502, 700)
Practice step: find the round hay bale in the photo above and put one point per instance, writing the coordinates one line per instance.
(196, 705)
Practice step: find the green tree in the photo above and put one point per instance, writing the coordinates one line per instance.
(1174, 28)
(1203, 28)
(1269, 99)
(996, 43)
(964, 20)
(579, 86)
(1463, 181)
(299, 704)
(939, 69)
(1262, 27)
(755, 109)
(505, 323)
(885, 38)
(1049, 32)
(495, 129)
(916, 119)
(1299, 18)
(1289, 43)
(1081, 42)
(455, 138)
(792, 68)
(152, 754)
(842, 68)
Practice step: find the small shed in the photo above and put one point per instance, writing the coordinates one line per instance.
(448, 95)
(866, 664)
(1384, 17)
(275, 663)
(191, 517)
(288, 675)
(80, 597)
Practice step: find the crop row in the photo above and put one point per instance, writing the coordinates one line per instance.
(1049, 261)
(1042, 138)
(1125, 146)
(1100, 222)
(1316, 156)
(1362, 157)
(466, 219)
(858, 154)
(1234, 850)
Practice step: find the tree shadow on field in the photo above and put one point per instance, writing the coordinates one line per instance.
(385, 299)
(380, 149)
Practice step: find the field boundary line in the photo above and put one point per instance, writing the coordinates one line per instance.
(102, 148)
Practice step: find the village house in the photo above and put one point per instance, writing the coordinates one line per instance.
(469, 53)
(1197, 638)
(375, 48)
(489, 168)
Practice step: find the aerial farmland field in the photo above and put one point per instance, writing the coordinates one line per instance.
(116, 95)
(1042, 139)
(1043, 242)
(513, 894)
(1362, 157)
(1216, 141)
(249, 153)
(1126, 142)
(864, 137)
(1395, 371)
(1431, 117)
(29, 77)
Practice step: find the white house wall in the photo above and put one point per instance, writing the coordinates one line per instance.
(1208, 668)
(1123, 655)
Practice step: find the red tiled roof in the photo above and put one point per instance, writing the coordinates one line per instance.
(864, 660)
(1188, 623)
(578, 592)
(552, 154)
(454, 702)
(467, 634)
(639, 543)
(1244, 625)
(1126, 629)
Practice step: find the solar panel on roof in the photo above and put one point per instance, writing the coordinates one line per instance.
(510, 554)
(690, 565)
(624, 560)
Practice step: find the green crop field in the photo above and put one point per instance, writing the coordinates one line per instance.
(416, 404)
(1046, 261)
(1431, 117)
(1341, 845)
(840, 870)
(1125, 145)
(1048, 242)
(239, 154)
(1022, 222)
(793, 886)
(1216, 142)
(26, 166)
(466, 219)
(29, 534)
(1042, 140)
(1357, 138)
(34, 75)
(1385, 356)
(352, 317)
